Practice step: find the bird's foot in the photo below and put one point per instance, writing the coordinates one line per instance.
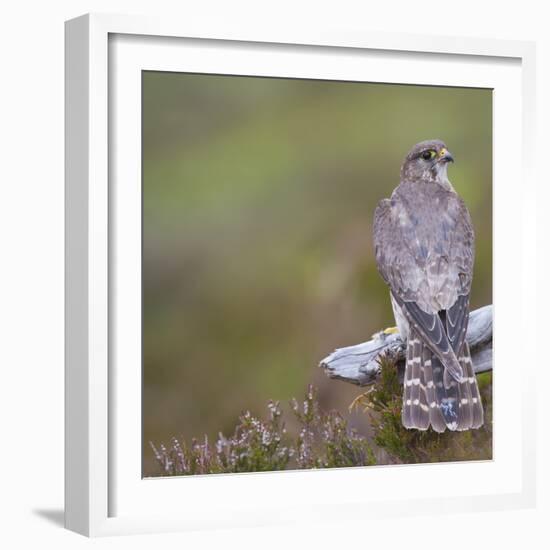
(391, 330)
(361, 401)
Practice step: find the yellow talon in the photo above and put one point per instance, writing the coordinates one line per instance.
(391, 330)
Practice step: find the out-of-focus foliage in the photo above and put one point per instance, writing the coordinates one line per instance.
(258, 196)
(324, 441)
(255, 446)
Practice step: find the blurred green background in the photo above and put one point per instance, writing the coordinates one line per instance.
(258, 197)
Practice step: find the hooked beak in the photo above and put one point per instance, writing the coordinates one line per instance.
(445, 156)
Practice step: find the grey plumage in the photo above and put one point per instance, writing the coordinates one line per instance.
(424, 246)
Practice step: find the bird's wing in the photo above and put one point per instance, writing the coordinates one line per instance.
(431, 328)
(461, 259)
(396, 254)
(426, 258)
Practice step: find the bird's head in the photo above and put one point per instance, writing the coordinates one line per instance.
(427, 161)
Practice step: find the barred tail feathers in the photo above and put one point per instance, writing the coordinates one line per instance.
(415, 411)
(465, 403)
(470, 398)
(446, 394)
(437, 420)
(432, 397)
(435, 394)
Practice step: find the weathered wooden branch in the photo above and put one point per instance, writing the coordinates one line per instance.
(358, 364)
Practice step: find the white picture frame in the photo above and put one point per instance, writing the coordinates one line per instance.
(105, 493)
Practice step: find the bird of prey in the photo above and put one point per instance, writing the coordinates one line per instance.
(424, 246)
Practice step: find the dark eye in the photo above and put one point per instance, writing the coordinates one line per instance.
(428, 155)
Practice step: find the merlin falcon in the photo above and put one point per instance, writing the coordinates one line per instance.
(424, 246)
